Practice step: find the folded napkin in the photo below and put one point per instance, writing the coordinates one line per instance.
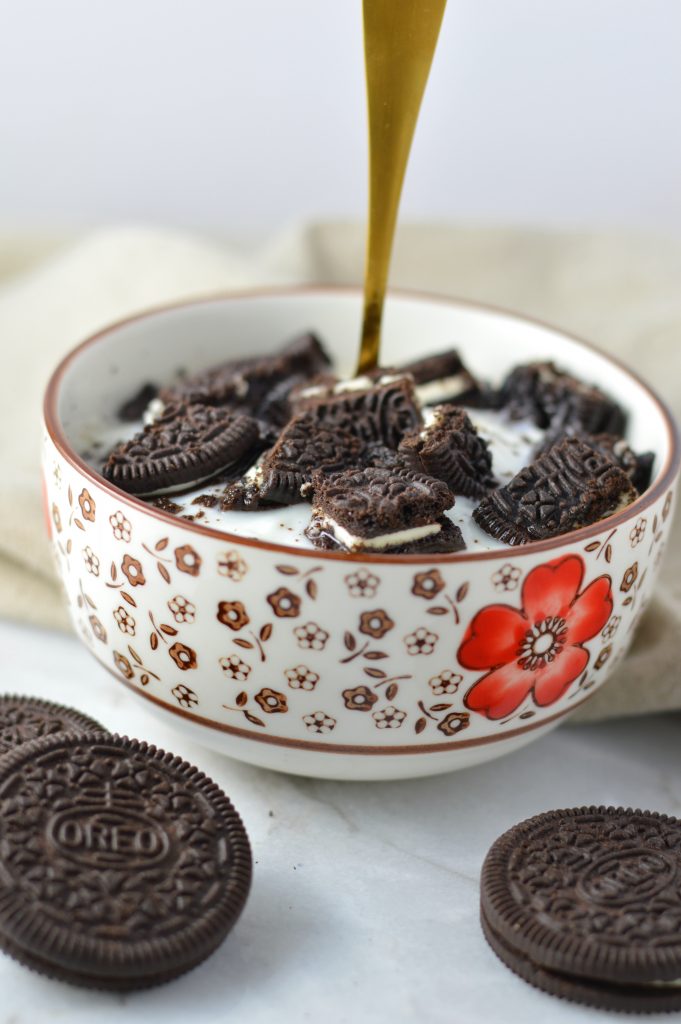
(620, 292)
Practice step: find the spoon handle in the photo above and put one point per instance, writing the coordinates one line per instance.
(399, 42)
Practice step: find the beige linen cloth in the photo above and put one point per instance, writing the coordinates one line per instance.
(624, 293)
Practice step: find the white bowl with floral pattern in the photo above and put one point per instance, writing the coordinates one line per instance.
(332, 665)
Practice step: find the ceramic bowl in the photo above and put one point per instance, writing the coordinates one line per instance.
(333, 665)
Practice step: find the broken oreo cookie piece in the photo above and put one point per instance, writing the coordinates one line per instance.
(382, 510)
(378, 414)
(285, 472)
(570, 486)
(443, 377)
(185, 446)
(451, 449)
(638, 467)
(246, 383)
(555, 399)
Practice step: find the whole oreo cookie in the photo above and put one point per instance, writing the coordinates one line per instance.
(186, 445)
(585, 903)
(451, 449)
(121, 866)
(23, 719)
(570, 486)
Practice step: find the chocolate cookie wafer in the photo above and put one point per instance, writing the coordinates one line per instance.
(585, 903)
(185, 446)
(451, 449)
(570, 486)
(285, 471)
(443, 377)
(23, 719)
(246, 383)
(555, 399)
(121, 866)
(637, 466)
(382, 510)
(382, 413)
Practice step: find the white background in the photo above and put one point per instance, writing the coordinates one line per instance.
(242, 117)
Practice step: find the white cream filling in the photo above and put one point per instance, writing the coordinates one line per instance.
(438, 390)
(385, 540)
(153, 411)
(173, 489)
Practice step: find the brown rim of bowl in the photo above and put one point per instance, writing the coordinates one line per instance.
(53, 427)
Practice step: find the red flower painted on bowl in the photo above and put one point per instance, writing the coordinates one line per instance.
(536, 649)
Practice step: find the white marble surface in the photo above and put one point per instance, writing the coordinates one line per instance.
(364, 905)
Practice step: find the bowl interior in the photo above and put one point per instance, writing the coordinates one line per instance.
(158, 346)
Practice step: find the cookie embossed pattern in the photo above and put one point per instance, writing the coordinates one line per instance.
(329, 663)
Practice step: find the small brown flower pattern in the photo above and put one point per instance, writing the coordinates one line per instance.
(301, 678)
(124, 621)
(56, 518)
(188, 560)
(91, 561)
(183, 656)
(285, 604)
(87, 505)
(97, 628)
(629, 578)
(235, 668)
(506, 578)
(233, 614)
(133, 572)
(362, 583)
(232, 565)
(319, 722)
(375, 624)
(388, 718)
(123, 665)
(121, 527)
(185, 697)
(311, 636)
(603, 657)
(181, 609)
(361, 698)
(271, 701)
(445, 682)
(421, 641)
(454, 722)
(428, 584)
(611, 628)
(638, 531)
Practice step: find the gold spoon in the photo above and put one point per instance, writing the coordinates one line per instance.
(399, 42)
